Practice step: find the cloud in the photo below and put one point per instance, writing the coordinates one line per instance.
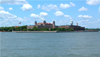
(89, 23)
(72, 4)
(34, 16)
(7, 15)
(65, 6)
(39, 16)
(8, 19)
(10, 8)
(67, 16)
(43, 14)
(38, 6)
(85, 16)
(85, 20)
(92, 2)
(18, 2)
(61, 14)
(50, 7)
(99, 10)
(1, 8)
(27, 7)
(83, 9)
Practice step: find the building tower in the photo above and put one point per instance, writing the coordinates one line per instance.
(71, 22)
(53, 24)
(35, 22)
(77, 24)
(44, 22)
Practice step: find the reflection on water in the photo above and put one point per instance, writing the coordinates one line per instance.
(78, 44)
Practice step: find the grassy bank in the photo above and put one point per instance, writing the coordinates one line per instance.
(24, 28)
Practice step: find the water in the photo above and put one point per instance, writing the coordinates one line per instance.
(71, 44)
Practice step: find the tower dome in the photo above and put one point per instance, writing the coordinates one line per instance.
(71, 22)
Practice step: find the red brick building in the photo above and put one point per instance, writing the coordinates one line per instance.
(52, 25)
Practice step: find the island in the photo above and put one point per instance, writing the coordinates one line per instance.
(47, 27)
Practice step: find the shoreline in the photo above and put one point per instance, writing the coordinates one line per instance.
(46, 31)
(35, 31)
(49, 31)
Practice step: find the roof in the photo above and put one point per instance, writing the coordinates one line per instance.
(39, 23)
(46, 23)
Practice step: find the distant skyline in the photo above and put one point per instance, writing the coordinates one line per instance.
(85, 12)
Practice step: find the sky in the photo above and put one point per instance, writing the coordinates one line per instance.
(85, 12)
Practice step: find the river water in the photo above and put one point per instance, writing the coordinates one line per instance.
(71, 44)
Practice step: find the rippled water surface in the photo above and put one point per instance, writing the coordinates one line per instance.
(71, 44)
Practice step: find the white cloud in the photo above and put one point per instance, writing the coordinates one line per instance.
(10, 8)
(85, 20)
(72, 4)
(27, 7)
(13, 2)
(43, 14)
(99, 10)
(85, 16)
(98, 20)
(89, 23)
(35, 16)
(39, 16)
(83, 9)
(59, 13)
(65, 6)
(50, 7)
(68, 16)
(93, 2)
(8, 19)
(38, 6)
(7, 15)
(1, 8)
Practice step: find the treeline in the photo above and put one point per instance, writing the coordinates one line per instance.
(92, 29)
(13, 28)
(24, 28)
(51, 29)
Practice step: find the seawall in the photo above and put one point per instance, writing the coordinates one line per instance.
(35, 31)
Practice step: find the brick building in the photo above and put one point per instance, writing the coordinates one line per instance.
(52, 25)
(43, 25)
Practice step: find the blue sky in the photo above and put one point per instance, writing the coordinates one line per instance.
(86, 12)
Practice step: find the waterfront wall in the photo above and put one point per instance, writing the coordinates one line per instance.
(35, 31)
